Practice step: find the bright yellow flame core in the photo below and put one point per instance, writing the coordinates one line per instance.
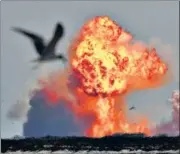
(106, 60)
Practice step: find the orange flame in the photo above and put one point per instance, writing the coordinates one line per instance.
(106, 61)
(104, 65)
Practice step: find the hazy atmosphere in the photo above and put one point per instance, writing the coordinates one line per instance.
(151, 22)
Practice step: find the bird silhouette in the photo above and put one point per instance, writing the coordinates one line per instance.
(132, 108)
(46, 52)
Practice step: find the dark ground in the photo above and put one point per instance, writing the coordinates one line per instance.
(113, 143)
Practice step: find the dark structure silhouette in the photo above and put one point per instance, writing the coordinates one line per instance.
(46, 52)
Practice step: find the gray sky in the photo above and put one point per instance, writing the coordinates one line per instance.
(146, 20)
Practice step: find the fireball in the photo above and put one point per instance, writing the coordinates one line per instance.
(105, 64)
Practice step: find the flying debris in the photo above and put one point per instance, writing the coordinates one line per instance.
(132, 108)
(46, 52)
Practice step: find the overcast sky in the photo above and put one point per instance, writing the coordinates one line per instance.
(146, 20)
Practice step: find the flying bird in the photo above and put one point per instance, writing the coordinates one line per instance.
(46, 52)
(132, 108)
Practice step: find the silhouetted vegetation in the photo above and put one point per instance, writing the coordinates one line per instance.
(114, 143)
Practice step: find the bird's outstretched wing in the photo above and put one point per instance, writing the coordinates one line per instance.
(58, 33)
(37, 40)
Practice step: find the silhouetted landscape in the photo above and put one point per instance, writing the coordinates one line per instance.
(116, 142)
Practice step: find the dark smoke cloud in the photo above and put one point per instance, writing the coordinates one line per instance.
(57, 119)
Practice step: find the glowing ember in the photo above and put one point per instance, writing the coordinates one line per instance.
(105, 64)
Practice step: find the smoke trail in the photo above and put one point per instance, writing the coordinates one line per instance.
(171, 127)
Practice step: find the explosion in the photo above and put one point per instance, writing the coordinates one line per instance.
(105, 65)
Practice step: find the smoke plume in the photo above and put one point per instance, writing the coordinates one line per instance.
(45, 119)
(171, 127)
(18, 111)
